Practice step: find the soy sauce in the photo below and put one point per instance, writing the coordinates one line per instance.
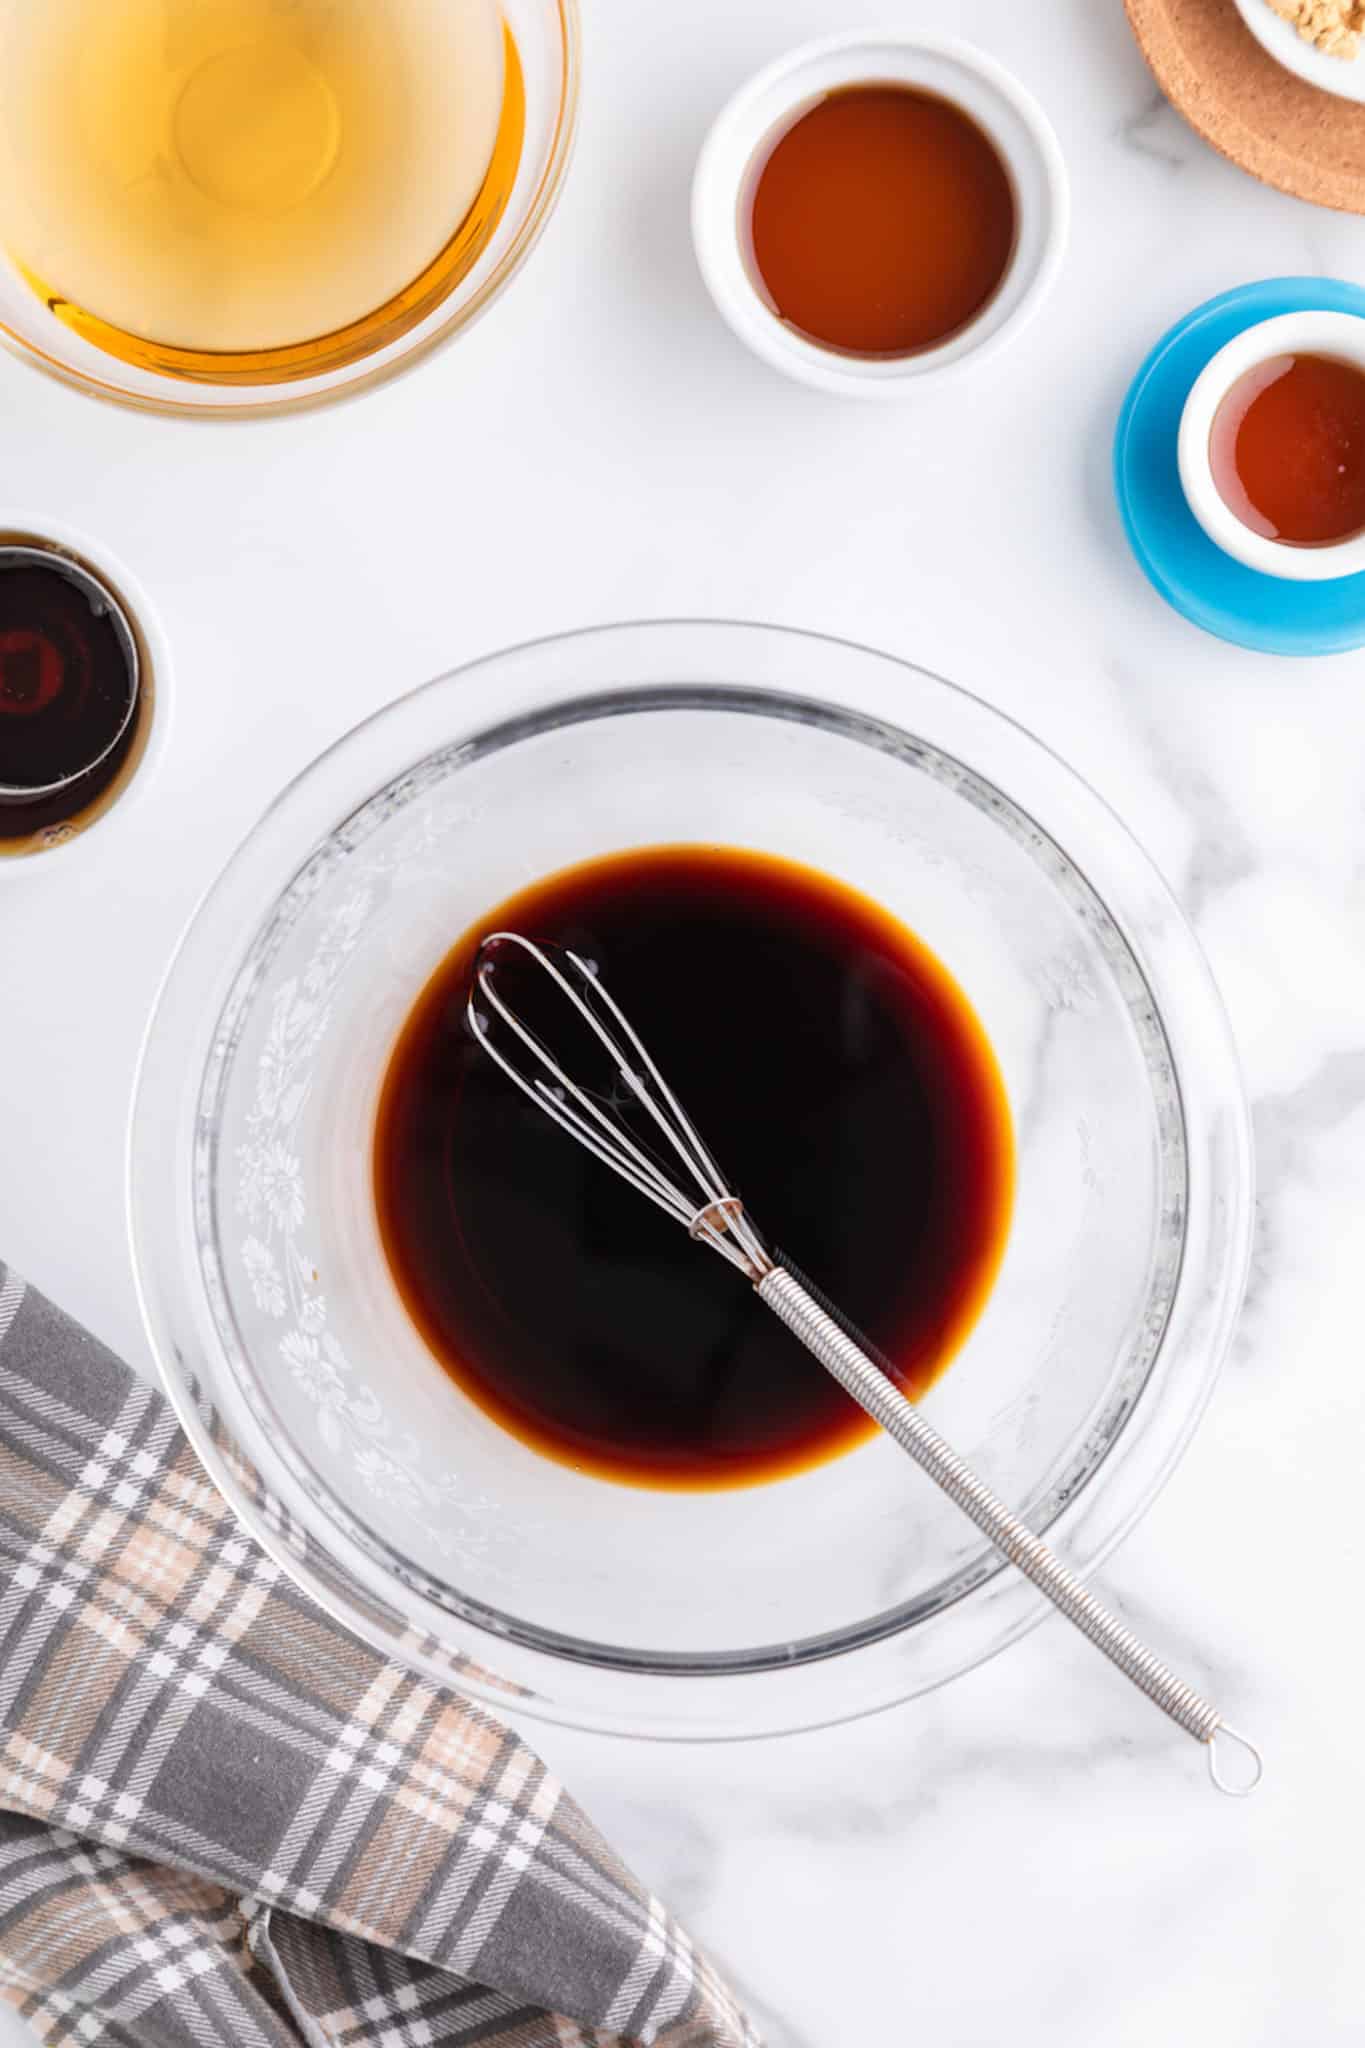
(69, 692)
(851, 1098)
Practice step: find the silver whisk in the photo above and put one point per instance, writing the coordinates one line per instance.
(670, 1165)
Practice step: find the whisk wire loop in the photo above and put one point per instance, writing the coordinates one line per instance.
(718, 1218)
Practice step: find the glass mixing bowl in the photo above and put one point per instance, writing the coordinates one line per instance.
(547, 36)
(376, 1482)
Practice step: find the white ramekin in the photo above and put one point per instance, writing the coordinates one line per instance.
(1328, 334)
(976, 83)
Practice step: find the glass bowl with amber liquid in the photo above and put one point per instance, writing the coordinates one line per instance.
(235, 207)
(936, 1015)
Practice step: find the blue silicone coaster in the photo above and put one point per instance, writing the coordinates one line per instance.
(1177, 556)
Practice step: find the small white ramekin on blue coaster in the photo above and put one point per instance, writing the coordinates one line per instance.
(1275, 606)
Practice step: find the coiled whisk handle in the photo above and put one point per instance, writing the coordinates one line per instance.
(876, 1394)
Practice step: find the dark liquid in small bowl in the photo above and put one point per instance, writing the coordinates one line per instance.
(71, 696)
(844, 1084)
(881, 221)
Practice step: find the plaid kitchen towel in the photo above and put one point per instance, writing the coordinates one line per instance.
(225, 1823)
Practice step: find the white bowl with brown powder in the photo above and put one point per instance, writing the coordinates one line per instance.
(1321, 41)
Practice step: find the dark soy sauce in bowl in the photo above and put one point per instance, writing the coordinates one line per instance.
(850, 1095)
(71, 697)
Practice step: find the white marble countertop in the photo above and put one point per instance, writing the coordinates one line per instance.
(1030, 1856)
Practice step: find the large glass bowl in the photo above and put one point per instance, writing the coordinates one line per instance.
(378, 1484)
(546, 33)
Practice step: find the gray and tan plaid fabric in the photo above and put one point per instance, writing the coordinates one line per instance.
(223, 1820)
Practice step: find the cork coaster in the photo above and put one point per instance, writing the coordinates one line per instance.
(1282, 130)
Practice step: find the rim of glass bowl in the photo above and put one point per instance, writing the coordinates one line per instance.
(401, 355)
(636, 666)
